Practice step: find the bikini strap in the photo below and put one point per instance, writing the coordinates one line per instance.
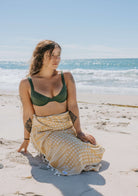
(32, 86)
(31, 83)
(62, 75)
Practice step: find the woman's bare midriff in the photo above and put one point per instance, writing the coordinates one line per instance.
(50, 108)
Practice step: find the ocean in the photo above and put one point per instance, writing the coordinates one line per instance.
(98, 76)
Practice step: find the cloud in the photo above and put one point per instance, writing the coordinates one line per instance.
(69, 51)
(14, 53)
(98, 51)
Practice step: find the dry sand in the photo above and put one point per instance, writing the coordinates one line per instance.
(111, 119)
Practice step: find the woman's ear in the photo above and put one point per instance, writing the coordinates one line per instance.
(46, 56)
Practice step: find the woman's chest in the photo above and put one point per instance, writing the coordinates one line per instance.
(48, 89)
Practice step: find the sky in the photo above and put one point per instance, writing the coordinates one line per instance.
(83, 28)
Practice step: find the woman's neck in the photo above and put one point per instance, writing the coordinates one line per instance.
(47, 73)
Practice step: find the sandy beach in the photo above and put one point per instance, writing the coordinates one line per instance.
(111, 119)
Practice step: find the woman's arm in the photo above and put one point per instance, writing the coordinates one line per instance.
(72, 103)
(28, 112)
(74, 111)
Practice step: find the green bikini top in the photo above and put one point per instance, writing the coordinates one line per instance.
(40, 100)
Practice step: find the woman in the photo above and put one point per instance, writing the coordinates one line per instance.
(51, 115)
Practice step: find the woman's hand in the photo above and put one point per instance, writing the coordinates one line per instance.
(86, 138)
(24, 146)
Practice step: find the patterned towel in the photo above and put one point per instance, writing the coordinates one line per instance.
(55, 137)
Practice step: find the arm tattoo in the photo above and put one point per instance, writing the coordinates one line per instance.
(28, 125)
(73, 117)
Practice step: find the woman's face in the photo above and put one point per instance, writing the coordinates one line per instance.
(54, 60)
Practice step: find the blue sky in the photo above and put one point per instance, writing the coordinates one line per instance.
(84, 29)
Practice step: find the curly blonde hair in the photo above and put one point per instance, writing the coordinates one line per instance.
(38, 55)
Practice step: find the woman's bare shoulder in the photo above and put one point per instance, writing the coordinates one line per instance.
(25, 95)
(68, 76)
(66, 72)
(24, 83)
